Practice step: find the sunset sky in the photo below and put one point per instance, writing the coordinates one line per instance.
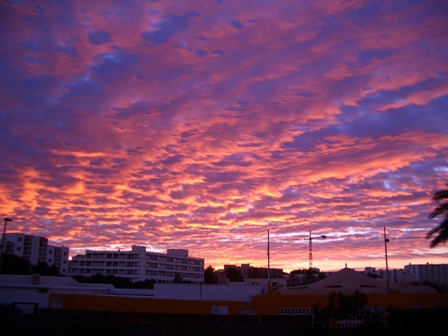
(203, 124)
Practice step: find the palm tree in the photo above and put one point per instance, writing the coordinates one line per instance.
(442, 209)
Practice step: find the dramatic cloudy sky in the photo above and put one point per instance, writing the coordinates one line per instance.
(203, 124)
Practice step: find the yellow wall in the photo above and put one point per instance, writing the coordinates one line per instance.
(263, 304)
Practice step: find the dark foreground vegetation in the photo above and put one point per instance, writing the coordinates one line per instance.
(62, 322)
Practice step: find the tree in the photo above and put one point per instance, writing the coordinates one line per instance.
(299, 271)
(440, 196)
(233, 275)
(348, 307)
(13, 264)
(177, 278)
(43, 269)
(209, 275)
(116, 281)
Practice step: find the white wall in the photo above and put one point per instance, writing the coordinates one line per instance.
(207, 292)
(24, 295)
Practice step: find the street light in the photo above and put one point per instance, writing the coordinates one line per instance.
(310, 244)
(387, 266)
(4, 242)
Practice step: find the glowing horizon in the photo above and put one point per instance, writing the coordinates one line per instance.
(201, 125)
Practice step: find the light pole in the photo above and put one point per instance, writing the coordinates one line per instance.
(4, 242)
(387, 266)
(269, 266)
(310, 250)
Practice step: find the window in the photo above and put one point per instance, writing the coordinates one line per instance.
(18, 248)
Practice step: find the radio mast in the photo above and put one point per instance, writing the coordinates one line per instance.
(310, 248)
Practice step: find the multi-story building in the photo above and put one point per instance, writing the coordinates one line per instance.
(434, 273)
(36, 250)
(395, 275)
(256, 275)
(251, 272)
(140, 265)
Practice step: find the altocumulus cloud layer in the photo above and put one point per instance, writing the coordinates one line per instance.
(204, 124)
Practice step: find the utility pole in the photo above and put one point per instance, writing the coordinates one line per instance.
(387, 266)
(4, 242)
(269, 267)
(310, 252)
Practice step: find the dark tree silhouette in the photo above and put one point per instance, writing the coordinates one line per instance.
(117, 282)
(209, 275)
(441, 231)
(13, 264)
(233, 275)
(43, 269)
(349, 307)
(177, 278)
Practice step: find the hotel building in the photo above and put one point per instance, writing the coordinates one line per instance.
(140, 265)
(433, 273)
(36, 250)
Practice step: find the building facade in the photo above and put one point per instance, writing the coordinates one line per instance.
(395, 275)
(36, 250)
(434, 273)
(251, 272)
(140, 265)
(250, 275)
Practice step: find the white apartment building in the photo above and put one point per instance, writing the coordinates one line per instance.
(35, 249)
(395, 275)
(140, 265)
(434, 273)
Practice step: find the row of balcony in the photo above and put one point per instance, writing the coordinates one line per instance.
(175, 260)
(88, 271)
